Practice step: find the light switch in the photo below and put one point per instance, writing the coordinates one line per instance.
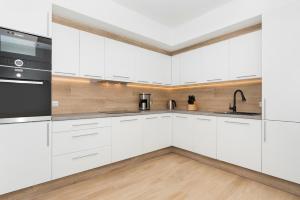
(55, 104)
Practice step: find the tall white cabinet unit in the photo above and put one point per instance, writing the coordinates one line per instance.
(30, 16)
(281, 153)
(25, 155)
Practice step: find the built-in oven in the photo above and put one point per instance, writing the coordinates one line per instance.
(25, 77)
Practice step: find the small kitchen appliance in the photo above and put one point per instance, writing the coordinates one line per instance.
(171, 104)
(144, 101)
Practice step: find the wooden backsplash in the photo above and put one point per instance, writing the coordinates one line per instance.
(86, 97)
(217, 99)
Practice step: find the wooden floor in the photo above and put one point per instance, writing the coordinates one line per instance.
(168, 177)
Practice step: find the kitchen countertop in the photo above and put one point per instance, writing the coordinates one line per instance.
(63, 117)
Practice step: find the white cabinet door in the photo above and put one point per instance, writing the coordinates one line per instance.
(30, 16)
(176, 65)
(215, 62)
(183, 132)
(157, 132)
(65, 50)
(239, 142)
(162, 69)
(281, 30)
(120, 61)
(91, 55)
(281, 150)
(245, 56)
(145, 66)
(191, 63)
(205, 128)
(25, 155)
(127, 138)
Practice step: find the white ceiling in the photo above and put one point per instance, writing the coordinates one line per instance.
(171, 13)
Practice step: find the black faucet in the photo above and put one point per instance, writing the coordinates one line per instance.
(233, 108)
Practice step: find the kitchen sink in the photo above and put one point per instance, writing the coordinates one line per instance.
(238, 113)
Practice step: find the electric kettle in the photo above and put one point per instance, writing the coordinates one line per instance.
(171, 104)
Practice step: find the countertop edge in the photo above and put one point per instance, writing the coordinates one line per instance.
(66, 117)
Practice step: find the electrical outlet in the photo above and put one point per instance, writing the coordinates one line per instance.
(260, 104)
(55, 104)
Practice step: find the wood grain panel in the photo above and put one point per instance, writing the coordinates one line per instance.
(253, 175)
(86, 97)
(107, 34)
(217, 99)
(163, 175)
(82, 96)
(219, 39)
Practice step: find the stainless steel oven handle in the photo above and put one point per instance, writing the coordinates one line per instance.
(21, 82)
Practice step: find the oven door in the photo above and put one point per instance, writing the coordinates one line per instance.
(27, 98)
(24, 50)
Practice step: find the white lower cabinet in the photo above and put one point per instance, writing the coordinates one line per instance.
(80, 145)
(68, 164)
(127, 137)
(281, 150)
(157, 132)
(25, 155)
(205, 136)
(183, 132)
(239, 142)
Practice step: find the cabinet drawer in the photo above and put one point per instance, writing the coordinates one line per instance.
(72, 141)
(80, 161)
(72, 125)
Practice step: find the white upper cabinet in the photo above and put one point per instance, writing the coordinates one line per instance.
(153, 67)
(30, 16)
(91, 55)
(281, 63)
(239, 142)
(246, 56)
(176, 65)
(281, 150)
(120, 61)
(65, 50)
(215, 62)
(25, 155)
(190, 69)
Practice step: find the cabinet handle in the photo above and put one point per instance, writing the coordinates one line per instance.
(151, 118)
(240, 123)
(265, 132)
(92, 76)
(216, 79)
(246, 76)
(143, 81)
(166, 117)
(85, 135)
(181, 117)
(128, 120)
(85, 156)
(158, 83)
(89, 124)
(202, 119)
(66, 73)
(190, 82)
(117, 76)
(48, 135)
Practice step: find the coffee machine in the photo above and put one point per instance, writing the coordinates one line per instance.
(144, 101)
